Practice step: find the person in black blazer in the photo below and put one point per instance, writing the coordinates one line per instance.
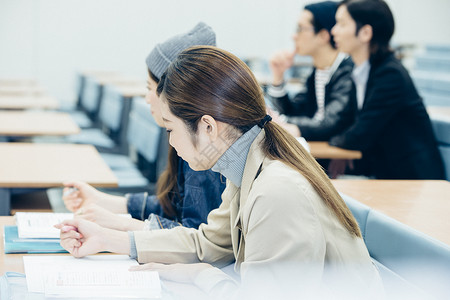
(392, 127)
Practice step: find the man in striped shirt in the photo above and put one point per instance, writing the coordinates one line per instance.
(327, 106)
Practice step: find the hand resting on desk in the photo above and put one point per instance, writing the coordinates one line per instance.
(90, 238)
(183, 273)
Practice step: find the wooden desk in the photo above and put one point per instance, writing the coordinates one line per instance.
(25, 165)
(22, 90)
(322, 150)
(17, 82)
(14, 263)
(439, 112)
(119, 80)
(28, 102)
(130, 91)
(9, 262)
(421, 204)
(19, 123)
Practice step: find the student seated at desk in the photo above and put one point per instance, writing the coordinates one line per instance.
(280, 218)
(327, 106)
(392, 127)
(184, 196)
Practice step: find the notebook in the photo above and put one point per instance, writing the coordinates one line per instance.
(39, 225)
(14, 244)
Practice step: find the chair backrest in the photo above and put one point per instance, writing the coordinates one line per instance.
(91, 97)
(440, 49)
(111, 108)
(433, 62)
(441, 130)
(147, 139)
(405, 257)
(359, 211)
(414, 256)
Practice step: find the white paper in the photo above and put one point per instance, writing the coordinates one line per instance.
(105, 276)
(40, 225)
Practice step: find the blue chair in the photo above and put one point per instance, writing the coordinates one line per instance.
(147, 145)
(433, 62)
(435, 98)
(441, 130)
(113, 120)
(419, 259)
(440, 49)
(412, 265)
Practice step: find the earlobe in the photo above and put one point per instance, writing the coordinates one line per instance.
(325, 35)
(365, 33)
(209, 125)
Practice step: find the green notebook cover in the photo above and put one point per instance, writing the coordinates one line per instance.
(14, 244)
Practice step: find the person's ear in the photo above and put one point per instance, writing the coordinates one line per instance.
(208, 127)
(365, 34)
(324, 36)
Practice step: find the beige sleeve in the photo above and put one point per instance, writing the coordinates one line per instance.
(211, 243)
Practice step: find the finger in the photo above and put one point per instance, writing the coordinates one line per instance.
(71, 234)
(72, 222)
(69, 183)
(70, 245)
(350, 164)
(72, 201)
(166, 272)
(148, 266)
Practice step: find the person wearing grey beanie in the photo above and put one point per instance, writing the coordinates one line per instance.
(184, 197)
(164, 53)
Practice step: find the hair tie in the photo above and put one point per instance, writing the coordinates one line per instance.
(264, 121)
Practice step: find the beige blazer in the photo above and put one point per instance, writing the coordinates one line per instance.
(275, 220)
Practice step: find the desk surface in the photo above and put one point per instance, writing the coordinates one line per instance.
(322, 150)
(439, 112)
(132, 90)
(118, 80)
(421, 204)
(27, 102)
(8, 82)
(29, 90)
(29, 165)
(14, 263)
(20, 123)
(9, 262)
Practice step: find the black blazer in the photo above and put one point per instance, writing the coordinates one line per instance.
(393, 129)
(340, 105)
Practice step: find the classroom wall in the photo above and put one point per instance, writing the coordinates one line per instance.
(51, 39)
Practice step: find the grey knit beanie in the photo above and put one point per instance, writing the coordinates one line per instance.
(163, 54)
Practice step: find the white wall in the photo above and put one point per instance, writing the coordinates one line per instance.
(51, 39)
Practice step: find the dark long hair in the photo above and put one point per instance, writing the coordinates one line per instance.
(206, 80)
(377, 14)
(166, 186)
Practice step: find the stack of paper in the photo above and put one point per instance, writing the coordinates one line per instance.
(99, 276)
(35, 233)
(40, 225)
(14, 244)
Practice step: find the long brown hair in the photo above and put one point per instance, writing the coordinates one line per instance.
(206, 80)
(166, 186)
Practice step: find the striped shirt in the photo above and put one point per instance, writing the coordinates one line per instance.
(321, 79)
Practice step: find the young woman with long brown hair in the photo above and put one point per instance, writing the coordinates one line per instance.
(183, 196)
(281, 220)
